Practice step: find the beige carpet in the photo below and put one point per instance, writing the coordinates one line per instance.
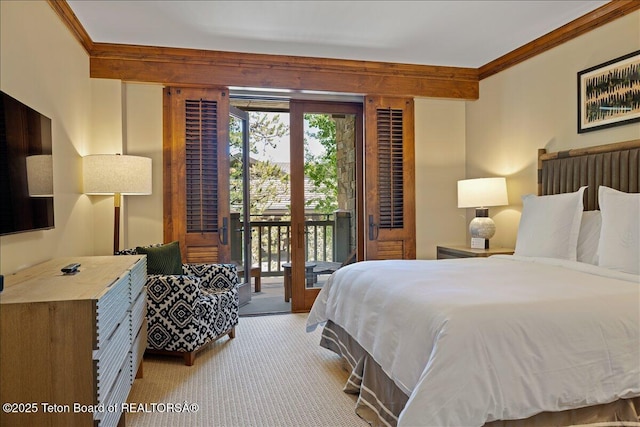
(272, 374)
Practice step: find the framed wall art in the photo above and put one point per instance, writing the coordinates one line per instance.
(609, 94)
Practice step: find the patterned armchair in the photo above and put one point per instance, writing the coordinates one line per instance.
(185, 312)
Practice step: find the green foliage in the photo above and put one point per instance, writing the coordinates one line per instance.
(266, 179)
(322, 168)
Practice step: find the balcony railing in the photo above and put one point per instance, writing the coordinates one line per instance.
(271, 240)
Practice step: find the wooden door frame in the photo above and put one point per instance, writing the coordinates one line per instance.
(297, 108)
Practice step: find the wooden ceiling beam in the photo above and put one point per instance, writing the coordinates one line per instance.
(205, 67)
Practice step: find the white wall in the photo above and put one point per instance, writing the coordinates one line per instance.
(143, 223)
(43, 66)
(534, 105)
(440, 154)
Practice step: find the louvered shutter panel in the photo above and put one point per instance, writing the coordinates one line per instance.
(389, 178)
(201, 138)
(390, 167)
(196, 177)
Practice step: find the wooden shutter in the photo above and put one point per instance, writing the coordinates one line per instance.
(196, 176)
(201, 166)
(389, 178)
(390, 167)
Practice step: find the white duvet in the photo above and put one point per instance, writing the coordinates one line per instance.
(476, 340)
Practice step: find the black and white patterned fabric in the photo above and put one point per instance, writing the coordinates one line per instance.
(186, 311)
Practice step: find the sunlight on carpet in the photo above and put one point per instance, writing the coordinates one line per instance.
(272, 374)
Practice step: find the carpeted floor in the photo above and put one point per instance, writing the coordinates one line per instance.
(272, 374)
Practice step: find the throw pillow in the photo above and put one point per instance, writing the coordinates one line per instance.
(163, 259)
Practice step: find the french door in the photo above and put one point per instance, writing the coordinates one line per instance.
(326, 175)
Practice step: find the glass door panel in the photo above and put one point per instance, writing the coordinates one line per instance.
(240, 228)
(324, 185)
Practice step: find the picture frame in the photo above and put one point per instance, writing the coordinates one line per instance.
(609, 94)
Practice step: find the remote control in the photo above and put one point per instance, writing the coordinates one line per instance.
(71, 268)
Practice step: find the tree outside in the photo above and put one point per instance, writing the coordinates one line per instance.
(269, 179)
(321, 168)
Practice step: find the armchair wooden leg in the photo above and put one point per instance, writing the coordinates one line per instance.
(189, 358)
(232, 333)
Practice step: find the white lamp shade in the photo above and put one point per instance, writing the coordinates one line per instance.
(40, 175)
(113, 173)
(482, 192)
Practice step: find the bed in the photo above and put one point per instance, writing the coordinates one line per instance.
(547, 336)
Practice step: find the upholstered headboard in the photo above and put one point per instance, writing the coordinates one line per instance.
(613, 165)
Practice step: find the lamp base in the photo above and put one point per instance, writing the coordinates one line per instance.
(479, 243)
(481, 228)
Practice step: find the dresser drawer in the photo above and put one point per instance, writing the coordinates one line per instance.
(116, 395)
(137, 350)
(110, 356)
(138, 279)
(110, 308)
(138, 312)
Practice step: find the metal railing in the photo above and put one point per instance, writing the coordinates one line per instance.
(271, 241)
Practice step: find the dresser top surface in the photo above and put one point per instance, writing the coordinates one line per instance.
(46, 282)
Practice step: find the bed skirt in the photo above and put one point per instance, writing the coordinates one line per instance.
(380, 401)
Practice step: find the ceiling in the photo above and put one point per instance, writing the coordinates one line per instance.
(448, 33)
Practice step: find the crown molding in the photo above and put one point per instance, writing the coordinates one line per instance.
(592, 20)
(62, 8)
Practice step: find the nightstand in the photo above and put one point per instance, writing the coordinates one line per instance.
(447, 252)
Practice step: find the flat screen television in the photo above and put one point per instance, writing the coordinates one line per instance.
(26, 175)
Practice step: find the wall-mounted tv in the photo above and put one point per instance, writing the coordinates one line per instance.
(26, 175)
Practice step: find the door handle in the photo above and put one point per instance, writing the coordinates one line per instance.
(373, 229)
(223, 235)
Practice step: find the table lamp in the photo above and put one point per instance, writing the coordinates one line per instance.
(480, 193)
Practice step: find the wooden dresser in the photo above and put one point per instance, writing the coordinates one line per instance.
(71, 345)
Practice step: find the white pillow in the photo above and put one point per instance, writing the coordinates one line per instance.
(619, 246)
(550, 225)
(589, 237)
